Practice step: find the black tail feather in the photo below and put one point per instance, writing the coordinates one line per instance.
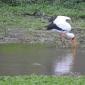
(54, 26)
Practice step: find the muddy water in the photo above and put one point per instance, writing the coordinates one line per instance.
(17, 59)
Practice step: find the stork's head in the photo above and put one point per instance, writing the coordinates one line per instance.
(72, 37)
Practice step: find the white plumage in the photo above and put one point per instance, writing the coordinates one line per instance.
(61, 22)
(61, 25)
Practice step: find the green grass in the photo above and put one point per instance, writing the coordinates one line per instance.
(42, 80)
(10, 16)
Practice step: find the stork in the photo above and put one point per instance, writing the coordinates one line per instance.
(61, 25)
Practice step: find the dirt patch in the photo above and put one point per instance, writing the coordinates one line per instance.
(40, 36)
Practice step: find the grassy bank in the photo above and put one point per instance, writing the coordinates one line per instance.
(10, 16)
(42, 80)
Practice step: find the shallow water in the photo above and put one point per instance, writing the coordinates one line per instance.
(17, 59)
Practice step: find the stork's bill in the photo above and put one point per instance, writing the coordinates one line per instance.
(61, 25)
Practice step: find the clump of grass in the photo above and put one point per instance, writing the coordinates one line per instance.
(10, 16)
(42, 80)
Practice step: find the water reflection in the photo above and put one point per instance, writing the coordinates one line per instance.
(25, 59)
(65, 64)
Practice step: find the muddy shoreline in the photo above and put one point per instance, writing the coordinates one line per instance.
(31, 36)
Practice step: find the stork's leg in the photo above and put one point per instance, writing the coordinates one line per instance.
(62, 39)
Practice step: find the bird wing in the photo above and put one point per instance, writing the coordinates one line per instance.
(64, 26)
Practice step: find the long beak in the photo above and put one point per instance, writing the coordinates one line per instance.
(73, 43)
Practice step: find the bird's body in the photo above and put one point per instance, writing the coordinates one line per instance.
(61, 25)
(53, 26)
(60, 21)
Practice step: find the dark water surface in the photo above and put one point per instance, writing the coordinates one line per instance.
(38, 59)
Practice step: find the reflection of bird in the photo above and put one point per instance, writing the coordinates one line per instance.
(64, 66)
(61, 25)
(66, 63)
